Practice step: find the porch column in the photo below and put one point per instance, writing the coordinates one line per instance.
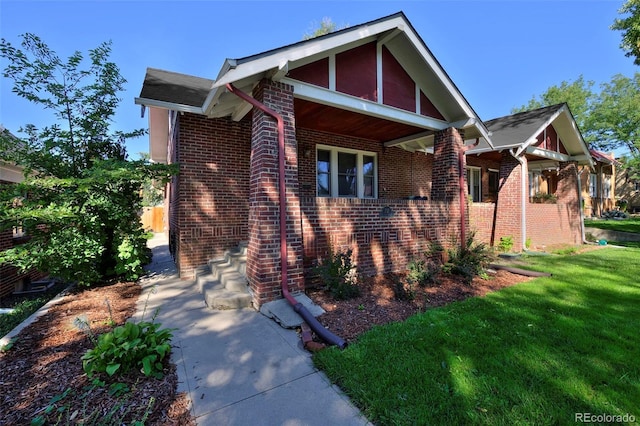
(509, 205)
(263, 252)
(445, 183)
(567, 193)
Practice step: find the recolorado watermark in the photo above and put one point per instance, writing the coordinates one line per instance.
(604, 418)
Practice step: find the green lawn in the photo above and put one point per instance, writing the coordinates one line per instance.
(631, 224)
(535, 353)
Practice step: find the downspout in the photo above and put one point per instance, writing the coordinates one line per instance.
(581, 207)
(524, 198)
(298, 307)
(463, 192)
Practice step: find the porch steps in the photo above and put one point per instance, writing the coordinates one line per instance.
(223, 282)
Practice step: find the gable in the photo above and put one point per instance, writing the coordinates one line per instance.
(550, 140)
(356, 74)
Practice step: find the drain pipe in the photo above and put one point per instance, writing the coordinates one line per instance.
(581, 207)
(463, 192)
(298, 307)
(524, 198)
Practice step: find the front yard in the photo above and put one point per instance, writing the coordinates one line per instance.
(549, 351)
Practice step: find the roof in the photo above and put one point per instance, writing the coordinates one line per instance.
(518, 132)
(514, 130)
(174, 89)
(603, 157)
(165, 89)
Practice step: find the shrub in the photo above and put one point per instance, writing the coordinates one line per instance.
(468, 260)
(339, 275)
(421, 273)
(506, 244)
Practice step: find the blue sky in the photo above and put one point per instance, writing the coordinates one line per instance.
(499, 53)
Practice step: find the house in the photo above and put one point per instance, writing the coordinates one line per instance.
(352, 140)
(598, 185)
(10, 278)
(526, 186)
(627, 188)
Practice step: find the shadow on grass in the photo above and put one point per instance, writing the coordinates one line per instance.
(535, 353)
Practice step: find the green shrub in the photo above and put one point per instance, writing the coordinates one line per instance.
(468, 260)
(421, 273)
(140, 345)
(403, 290)
(506, 244)
(339, 275)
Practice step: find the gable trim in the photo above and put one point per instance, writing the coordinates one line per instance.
(351, 103)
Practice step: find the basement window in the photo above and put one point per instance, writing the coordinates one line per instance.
(347, 173)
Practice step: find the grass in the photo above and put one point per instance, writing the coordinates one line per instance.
(24, 306)
(534, 353)
(631, 224)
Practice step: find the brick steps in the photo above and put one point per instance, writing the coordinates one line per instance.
(223, 282)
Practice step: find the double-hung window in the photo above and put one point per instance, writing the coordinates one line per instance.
(474, 183)
(606, 186)
(593, 185)
(346, 173)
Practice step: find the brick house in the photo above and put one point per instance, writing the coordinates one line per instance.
(599, 184)
(10, 278)
(627, 187)
(527, 185)
(374, 133)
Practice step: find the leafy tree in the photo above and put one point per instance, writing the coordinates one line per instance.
(630, 27)
(577, 94)
(83, 101)
(616, 115)
(80, 202)
(326, 26)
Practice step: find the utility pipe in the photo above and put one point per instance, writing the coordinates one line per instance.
(581, 207)
(298, 307)
(524, 199)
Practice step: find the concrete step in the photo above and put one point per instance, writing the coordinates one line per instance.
(226, 299)
(223, 281)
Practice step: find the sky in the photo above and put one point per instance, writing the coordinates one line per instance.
(499, 53)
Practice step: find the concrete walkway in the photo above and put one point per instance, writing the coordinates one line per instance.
(238, 367)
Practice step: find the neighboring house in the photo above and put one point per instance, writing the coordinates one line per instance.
(598, 185)
(525, 187)
(373, 131)
(627, 188)
(10, 278)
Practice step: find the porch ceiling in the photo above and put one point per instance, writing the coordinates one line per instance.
(315, 116)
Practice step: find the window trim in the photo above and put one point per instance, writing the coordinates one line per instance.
(333, 171)
(470, 170)
(593, 185)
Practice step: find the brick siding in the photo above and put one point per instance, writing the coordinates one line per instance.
(209, 201)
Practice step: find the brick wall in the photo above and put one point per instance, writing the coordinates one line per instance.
(211, 194)
(384, 234)
(565, 226)
(549, 224)
(481, 217)
(509, 203)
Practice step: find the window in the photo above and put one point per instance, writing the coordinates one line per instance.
(346, 173)
(593, 185)
(606, 186)
(473, 183)
(534, 183)
(494, 181)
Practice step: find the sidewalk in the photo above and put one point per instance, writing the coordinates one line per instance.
(238, 367)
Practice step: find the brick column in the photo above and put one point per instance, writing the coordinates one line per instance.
(445, 184)
(567, 193)
(263, 256)
(508, 221)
